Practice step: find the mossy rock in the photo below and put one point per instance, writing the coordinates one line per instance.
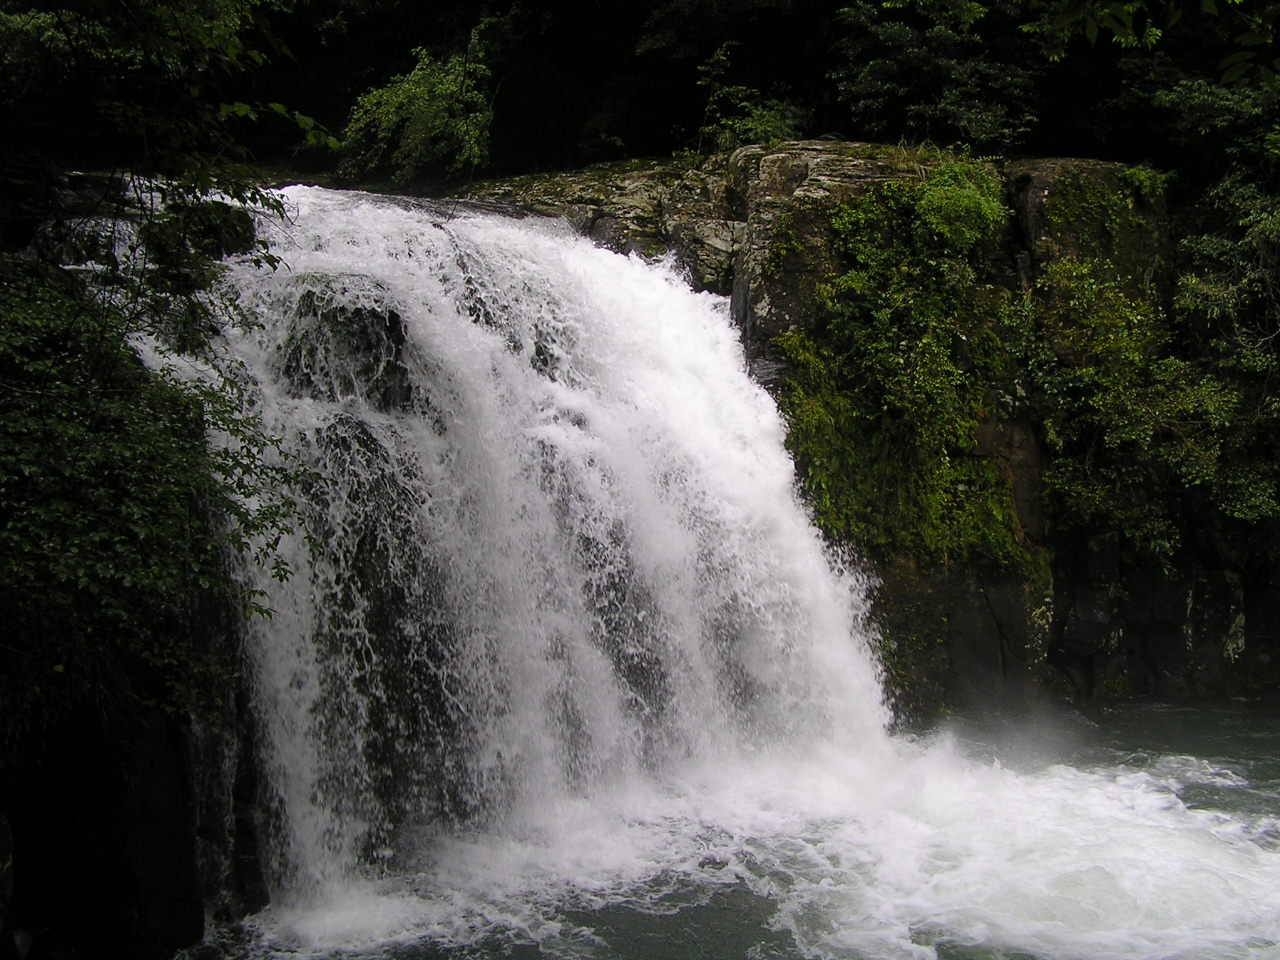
(1092, 210)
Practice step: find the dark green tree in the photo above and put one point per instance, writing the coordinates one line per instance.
(115, 514)
(950, 73)
(436, 117)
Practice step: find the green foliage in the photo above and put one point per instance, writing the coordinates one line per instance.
(1129, 23)
(1226, 302)
(137, 80)
(887, 395)
(1143, 24)
(314, 134)
(945, 72)
(1232, 288)
(1228, 306)
(959, 208)
(736, 114)
(1147, 183)
(1132, 429)
(436, 115)
(116, 512)
(1147, 418)
(92, 459)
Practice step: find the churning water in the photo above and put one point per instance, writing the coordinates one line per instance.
(564, 670)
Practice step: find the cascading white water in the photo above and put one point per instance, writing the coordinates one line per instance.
(561, 641)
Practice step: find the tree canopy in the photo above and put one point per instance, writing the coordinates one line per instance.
(544, 84)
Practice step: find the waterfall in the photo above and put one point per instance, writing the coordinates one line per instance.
(560, 640)
(553, 539)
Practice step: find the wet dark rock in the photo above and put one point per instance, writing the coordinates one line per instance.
(104, 842)
(217, 229)
(335, 349)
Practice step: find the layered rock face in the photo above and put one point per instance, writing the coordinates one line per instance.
(757, 225)
(754, 225)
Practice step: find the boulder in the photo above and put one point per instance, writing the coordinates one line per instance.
(343, 343)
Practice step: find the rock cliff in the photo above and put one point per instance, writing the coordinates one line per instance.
(1083, 614)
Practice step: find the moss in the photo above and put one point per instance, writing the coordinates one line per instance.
(919, 344)
(902, 158)
(888, 392)
(1150, 185)
(1088, 208)
(928, 380)
(787, 245)
(1107, 212)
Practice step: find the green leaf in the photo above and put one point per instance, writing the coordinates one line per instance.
(1237, 57)
(1236, 72)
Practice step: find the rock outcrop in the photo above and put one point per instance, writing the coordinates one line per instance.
(753, 225)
